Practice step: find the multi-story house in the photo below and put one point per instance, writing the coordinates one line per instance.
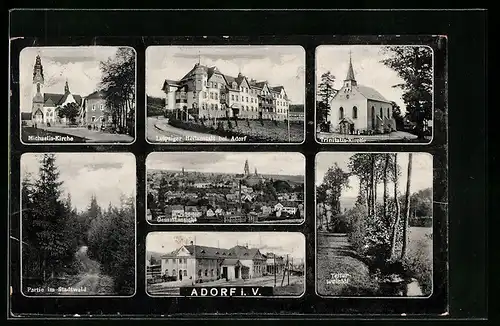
(202, 263)
(205, 92)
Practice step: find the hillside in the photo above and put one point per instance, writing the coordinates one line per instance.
(296, 179)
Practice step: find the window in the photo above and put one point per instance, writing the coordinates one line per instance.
(206, 272)
(381, 113)
(199, 273)
(247, 107)
(166, 272)
(211, 95)
(247, 98)
(232, 97)
(185, 273)
(211, 272)
(92, 119)
(173, 272)
(204, 94)
(216, 96)
(354, 112)
(102, 107)
(341, 113)
(216, 106)
(388, 112)
(93, 107)
(237, 98)
(212, 106)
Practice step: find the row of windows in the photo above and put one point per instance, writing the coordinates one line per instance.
(234, 85)
(101, 107)
(355, 112)
(174, 274)
(177, 260)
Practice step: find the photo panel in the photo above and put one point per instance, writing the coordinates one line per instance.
(77, 94)
(225, 264)
(225, 188)
(374, 224)
(78, 224)
(374, 94)
(225, 94)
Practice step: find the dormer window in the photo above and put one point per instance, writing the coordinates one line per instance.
(202, 251)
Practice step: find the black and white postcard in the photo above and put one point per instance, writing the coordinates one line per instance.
(78, 224)
(225, 187)
(374, 224)
(83, 94)
(225, 264)
(374, 94)
(234, 94)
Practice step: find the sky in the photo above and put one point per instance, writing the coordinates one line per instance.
(368, 70)
(79, 65)
(227, 162)
(282, 243)
(422, 171)
(107, 175)
(279, 65)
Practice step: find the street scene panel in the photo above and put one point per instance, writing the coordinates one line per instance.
(77, 213)
(233, 94)
(244, 264)
(225, 187)
(83, 94)
(374, 224)
(374, 94)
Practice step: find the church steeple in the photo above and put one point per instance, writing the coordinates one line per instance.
(349, 79)
(38, 71)
(66, 88)
(247, 168)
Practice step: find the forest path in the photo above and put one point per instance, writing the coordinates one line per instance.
(90, 278)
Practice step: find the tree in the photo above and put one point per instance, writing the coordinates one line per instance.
(413, 64)
(162, 192)
(48, 219)
(395, 225)
(407, 208)
(398, 117)
(325, 93)
(334, 181)
(118, 86)
(70, 111)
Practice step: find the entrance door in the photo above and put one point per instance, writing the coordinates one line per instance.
(180, 275)
(224, 272)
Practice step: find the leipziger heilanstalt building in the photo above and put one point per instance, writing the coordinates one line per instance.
(206, 92)
(358, 109)
(45, 106)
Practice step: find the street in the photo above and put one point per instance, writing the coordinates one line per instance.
(91, 135)
(158, 129)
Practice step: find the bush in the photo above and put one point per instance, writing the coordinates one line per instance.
(418, 263)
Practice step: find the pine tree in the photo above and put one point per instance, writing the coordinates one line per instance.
(325, 94)
(50, 218)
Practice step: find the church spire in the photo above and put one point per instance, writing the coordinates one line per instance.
(66, 88)
(38, 70)
(247, 168)
(350, 71)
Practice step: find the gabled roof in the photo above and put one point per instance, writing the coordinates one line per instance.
(243, 252)
(95, 95)
(371, 94)
(207, 252)
(58, 99)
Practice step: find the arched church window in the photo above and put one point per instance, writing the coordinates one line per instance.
(381, 113)
(341, 113)
(388, 112)
(354, 112)
(38, 87)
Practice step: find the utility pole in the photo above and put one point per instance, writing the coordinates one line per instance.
(288, 269)
(288, 121)
(274, 269)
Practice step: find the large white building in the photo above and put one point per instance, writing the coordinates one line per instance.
(206, 92)
(359, 109)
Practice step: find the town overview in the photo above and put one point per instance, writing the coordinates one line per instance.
(181, 196)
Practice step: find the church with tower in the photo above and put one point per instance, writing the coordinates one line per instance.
(45, 106)
(356, 109)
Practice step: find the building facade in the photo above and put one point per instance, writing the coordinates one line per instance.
(202, 263)
(207, 93)
(94, 110)
(358, 109)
